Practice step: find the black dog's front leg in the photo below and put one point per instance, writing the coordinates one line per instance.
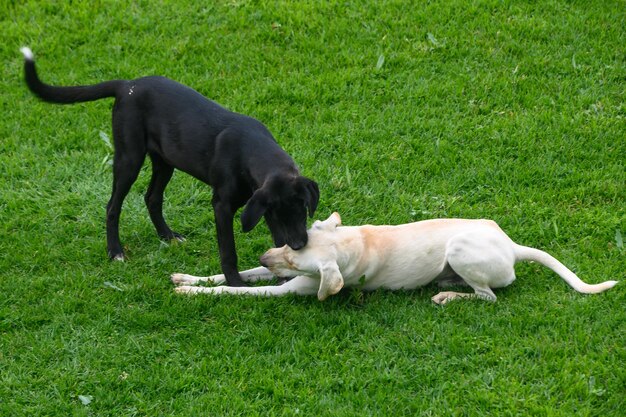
(224, 216)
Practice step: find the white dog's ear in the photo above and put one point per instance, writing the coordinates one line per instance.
(335, 219)
(330, 223)
(331, 281)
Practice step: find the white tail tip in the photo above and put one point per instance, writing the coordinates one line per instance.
(28, 54)
(598, 288)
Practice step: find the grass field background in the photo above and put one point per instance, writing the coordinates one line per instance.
(401, 111)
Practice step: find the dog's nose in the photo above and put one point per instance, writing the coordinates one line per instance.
(263, 260)
(297, 245)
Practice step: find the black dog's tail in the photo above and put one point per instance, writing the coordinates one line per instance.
(65, 95)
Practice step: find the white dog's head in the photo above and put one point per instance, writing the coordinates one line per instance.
(317, 259)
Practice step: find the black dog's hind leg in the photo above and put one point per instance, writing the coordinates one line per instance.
(224, 216)
(130, 152)
(161, 175)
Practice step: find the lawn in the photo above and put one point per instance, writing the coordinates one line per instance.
(401, 111)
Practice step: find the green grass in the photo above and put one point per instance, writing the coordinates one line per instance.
(401, 111)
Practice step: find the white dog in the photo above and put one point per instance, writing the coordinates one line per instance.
(475, 252)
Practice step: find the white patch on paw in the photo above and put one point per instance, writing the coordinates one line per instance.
(28, 54)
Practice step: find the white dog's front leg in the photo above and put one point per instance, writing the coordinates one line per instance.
(251, 275)
(257, 274)
(184, 279)
(300, 285)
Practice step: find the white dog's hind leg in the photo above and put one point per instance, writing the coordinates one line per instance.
(477, 278)
(484, 259)
(299, 285)
(251, 275)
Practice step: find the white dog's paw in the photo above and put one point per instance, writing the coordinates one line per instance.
(443, 297)
(184, 279)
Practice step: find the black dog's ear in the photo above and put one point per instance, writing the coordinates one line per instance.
(254, 210)
(311, 194)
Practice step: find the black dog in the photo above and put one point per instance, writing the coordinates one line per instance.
(179, 128)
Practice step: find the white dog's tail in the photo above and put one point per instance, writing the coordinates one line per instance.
(524, 253)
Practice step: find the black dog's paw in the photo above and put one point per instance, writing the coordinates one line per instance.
(117, 256)
(172, 236)
(178, 237)
(236, 283)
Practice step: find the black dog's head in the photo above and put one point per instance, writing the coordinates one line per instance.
(284, 203)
